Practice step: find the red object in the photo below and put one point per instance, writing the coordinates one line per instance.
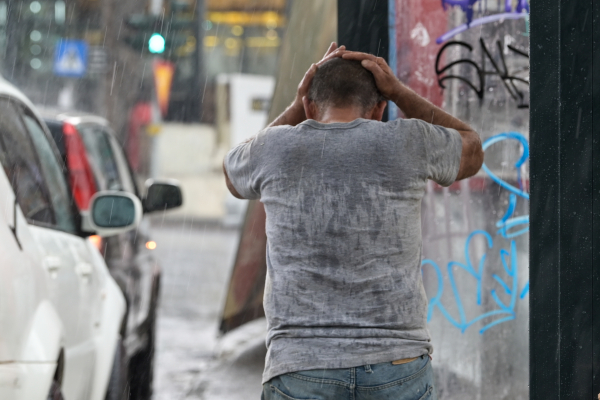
(140, 116)
(418, 24)
(81, 177)
(163, 78)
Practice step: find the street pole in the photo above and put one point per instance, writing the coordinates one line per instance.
(200, 77)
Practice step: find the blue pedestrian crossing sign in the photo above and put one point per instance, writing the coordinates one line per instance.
(71, 58)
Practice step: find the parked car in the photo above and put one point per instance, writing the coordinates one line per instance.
(60, 310)
(95, 161)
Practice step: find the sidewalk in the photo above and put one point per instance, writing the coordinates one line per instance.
(236, 372)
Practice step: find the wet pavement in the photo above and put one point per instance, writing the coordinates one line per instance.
(192, 360)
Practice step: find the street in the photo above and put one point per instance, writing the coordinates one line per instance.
(192, 361)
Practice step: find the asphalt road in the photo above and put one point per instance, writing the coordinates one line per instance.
(192, 360)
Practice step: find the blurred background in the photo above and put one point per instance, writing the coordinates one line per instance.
(181, 82)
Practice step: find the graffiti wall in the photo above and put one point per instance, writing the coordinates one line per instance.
(471, 57)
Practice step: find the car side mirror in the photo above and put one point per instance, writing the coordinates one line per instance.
(162, 195)
(111, 213)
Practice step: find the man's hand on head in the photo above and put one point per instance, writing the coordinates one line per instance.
(415, 106)
(295, 114)
(332, 52)
(385, 79)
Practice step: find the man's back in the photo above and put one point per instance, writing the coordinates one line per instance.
(343, 207)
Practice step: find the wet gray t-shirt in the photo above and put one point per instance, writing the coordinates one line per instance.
(343, 204)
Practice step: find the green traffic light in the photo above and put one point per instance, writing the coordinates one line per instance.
(156, 43)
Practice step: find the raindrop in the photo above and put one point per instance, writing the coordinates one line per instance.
(207, 25)
(35, 7)
(35, 63)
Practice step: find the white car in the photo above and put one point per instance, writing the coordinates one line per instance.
(61, 313)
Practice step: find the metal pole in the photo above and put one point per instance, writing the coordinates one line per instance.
(200, 80)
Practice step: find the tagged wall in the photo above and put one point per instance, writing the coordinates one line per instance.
(471, 57)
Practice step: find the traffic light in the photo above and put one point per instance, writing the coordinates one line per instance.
(156, 43)
(150, 33)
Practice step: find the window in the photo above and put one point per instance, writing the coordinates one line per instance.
(101, 156)
(123, 164)
(53, 172)
(21, 165)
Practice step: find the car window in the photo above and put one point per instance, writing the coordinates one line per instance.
(56, 129)
(53, 170)
(21, 165)
(123, 164)
(101, 156)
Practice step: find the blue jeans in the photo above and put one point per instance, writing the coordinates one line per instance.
(411, 381)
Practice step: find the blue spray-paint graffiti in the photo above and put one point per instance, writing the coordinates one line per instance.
(505, 311)
(468, 5)
(521, 10)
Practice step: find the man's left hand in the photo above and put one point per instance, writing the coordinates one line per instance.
(294, 114)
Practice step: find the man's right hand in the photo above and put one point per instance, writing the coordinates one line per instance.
(385, 79)
(415, 106)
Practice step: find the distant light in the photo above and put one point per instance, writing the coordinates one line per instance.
(35, 7)
(151, 245)
(35, 36)
(231, 43)
(261, 41)
(237, 30)
(211, 41)
(59, 11)
(207, 25)
(96, 241)
(271, 34)
(3, 12)
(35, 63)
(36, 49)
(271, 23)
(156, 43)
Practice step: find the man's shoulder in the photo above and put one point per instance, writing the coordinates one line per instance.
(273, 130)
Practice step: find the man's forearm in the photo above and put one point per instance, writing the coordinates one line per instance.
(415, 106)
(293, 115)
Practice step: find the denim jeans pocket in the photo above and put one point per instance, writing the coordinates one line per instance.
(427, 394)
(400, 382)
(276, 393)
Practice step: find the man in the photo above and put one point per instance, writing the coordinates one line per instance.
(344, 300)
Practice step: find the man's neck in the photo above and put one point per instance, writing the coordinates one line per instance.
(332, 114)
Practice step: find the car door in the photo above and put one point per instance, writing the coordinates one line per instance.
(142, 260)
(121, 250)
(43, 194)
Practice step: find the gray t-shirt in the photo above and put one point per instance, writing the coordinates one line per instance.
(343, 205)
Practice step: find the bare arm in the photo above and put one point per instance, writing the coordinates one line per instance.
(415, 106)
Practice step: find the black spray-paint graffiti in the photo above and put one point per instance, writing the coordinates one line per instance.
(516, 86)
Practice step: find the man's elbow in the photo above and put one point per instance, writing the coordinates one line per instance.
(476, 157)
(230, 186)
(473, 158)
(233, 191)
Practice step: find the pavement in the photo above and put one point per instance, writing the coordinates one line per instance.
(193, 361)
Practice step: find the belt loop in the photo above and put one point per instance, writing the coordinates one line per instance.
(368, 369)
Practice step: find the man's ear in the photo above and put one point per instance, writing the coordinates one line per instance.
(376, 112)
(310, 109)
